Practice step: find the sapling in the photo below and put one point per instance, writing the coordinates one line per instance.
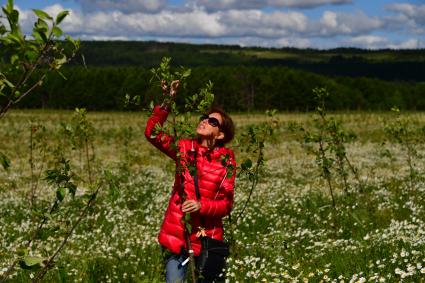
(61, 177)
(26, 63)
(48, 263)
(328, 143)
(181, 124)
(401, 130)
(252, 141)
(37, 146)
(80, 133)
(321, 141)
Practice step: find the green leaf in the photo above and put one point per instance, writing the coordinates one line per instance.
(61, 16)
(229, 173)
(70, 39)
(31, 55)
(22, 252)
(60, 61)
(41, 25)
(15, 38)
(14, 58)
(8, 83)
(60, 193)
(9, 6)
(14, 19)
(82, 57)
(72, 188)
(5, 40)
(46, 232)
(247, 164)
(42, 15)
(57, 31)
(189, 228)
(31, 262)
(3, 29)
(39, 35)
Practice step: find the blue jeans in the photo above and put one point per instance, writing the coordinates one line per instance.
(175, 272)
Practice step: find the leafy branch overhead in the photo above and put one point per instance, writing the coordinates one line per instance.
(25, 62)
(181, 123)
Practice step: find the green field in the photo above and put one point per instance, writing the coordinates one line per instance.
(290, 231)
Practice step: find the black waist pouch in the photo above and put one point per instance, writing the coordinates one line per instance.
(212, 258)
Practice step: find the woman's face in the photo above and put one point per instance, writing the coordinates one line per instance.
(207, 127)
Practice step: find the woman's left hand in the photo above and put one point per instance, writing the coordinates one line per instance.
(191, 206)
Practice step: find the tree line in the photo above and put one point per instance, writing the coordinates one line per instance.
(386, 64)
(243, 88)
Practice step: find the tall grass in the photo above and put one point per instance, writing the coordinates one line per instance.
(290, 231)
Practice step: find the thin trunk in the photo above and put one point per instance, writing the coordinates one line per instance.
(326, 174)
(88, 159)
(49, 262)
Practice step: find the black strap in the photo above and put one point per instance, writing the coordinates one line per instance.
(195, 178)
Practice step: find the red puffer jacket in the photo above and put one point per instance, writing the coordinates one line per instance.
(215, 187)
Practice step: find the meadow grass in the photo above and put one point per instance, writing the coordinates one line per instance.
(290, 232)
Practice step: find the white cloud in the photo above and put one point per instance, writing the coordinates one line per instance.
(244, 27)
(408, 17)
(261, 24)
(379, 42)
(404, 8)
(165, 23)
(306, 3)
(293, 42)
(73, 23)
(368, 41)
(196, 23)
(408, 44)
(333, 24)
(215, 5)
(125, 6)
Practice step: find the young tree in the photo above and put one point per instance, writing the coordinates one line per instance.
(25, 62)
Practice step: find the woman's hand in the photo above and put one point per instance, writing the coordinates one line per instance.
(164, 87)
(174, 87)
(169, 97)
(191, 206)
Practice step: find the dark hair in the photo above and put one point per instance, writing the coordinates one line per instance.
(227, 127)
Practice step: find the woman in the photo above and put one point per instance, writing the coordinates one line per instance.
(213, 162)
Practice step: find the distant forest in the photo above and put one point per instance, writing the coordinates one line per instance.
(245, 79)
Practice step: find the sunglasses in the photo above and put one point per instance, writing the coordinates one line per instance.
(211, 120)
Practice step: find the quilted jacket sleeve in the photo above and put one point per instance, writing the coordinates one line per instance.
(221, 207)
(159, 139)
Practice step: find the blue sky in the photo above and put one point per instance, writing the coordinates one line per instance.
(319, 24)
